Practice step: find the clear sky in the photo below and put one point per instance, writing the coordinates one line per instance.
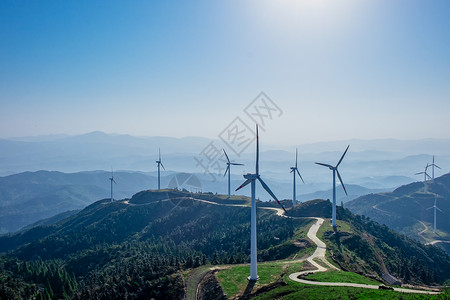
(337, 69)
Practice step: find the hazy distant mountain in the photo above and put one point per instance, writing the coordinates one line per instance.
(354, 191)
(406, 207)
(374, 164)
(31, 196)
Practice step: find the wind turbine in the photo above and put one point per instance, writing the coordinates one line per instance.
(293, 171)
(335, 171)
(435, 208)
(432, 169)
(229, 163)
(112, 180)
(251, 178)
(159, 169)
(425, 176)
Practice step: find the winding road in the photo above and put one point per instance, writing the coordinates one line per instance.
(319, 254)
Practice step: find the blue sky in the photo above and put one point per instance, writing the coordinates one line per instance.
(338, 69)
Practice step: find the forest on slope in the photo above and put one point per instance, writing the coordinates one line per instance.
(139, 247)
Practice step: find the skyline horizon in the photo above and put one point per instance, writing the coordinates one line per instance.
(319, 70)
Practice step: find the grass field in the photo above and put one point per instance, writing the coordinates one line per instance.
(296, 290)
(234, 280)
(341, 276)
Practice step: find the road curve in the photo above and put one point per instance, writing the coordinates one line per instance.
(319, 254)
(437, 241)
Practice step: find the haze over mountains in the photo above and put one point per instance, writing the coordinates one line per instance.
(368, 163)
(406, 209)
(371, 166)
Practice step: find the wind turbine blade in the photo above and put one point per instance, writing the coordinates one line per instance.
(437, 166)
(264, 185)
(114, 181)
(439, 209)
(159, 151)
(228, 168)
(419, 173)
(292, 170)
(430, 207)
(325, 165)
(257, 151)
(244, 184)
(299, 175)
(236, 164)
(226, 155)
(342, 183)
(296, 158)
(342, 157)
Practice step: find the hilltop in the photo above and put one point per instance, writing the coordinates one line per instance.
(143, 246)
(405, 209)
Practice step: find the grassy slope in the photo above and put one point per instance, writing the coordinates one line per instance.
(233, 279)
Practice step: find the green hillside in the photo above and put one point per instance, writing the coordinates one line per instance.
(405, 209)
(142, 240)
(161, 244)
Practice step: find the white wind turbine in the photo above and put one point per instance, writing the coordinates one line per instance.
(293, 171)
(435, 208)
(112, 180)
(252, 178)
(159, 169)
(432, 169)
(335, 171)
(229, 164)
(425, 177)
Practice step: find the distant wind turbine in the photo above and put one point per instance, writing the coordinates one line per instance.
(335, 171)
(432, 169)
(112, 180)
(159, 169)
(229, 164)
(293, 171)
(435, 208)
(251, 178)
(425, 177)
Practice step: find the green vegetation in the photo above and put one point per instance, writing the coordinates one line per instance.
(295, 290)
(363, 246)
(403, 208)
(234, 279)
(341, 276)
(154, 247)
(141, 248)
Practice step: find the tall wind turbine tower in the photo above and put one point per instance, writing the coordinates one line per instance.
(159, 169)
(229, 164)
(112, 180)
(425, 177)
(435, 208)
(293, 171)
(251, 178)
(432, 169)
(335, 171)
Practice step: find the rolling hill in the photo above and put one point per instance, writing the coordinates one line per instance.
(406, 209)
(147, 246)
(28, 197)
(31, 196)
